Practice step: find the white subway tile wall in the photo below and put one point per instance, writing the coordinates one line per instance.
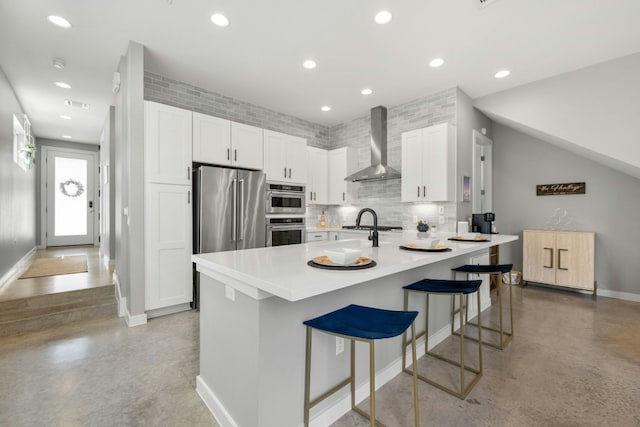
(381, 196)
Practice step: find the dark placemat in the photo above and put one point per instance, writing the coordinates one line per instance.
(460, 239)
(341, 267)
(409, 248)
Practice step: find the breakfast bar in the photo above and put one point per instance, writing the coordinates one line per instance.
(253, 303)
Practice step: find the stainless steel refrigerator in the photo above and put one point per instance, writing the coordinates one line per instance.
(229, 211)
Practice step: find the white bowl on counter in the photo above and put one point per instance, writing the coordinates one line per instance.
(343, 256)
(428, 243)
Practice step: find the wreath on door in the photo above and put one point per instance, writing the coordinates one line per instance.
(71, 188)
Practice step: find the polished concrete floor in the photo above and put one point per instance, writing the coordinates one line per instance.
(574, 362)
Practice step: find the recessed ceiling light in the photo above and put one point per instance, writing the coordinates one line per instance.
(67, 136)
(326, 108)
(59, 63)
(65, 117)
(366, 91)
(220, 20)
(59, 21)
(63, 85)
(309, 64)
(383, 17)
(436, 62)
(502, 74)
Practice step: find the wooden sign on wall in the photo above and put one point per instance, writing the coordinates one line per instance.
(557, 189)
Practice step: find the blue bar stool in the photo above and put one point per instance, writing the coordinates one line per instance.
(497, 269)
(462, 289)
(358, 323)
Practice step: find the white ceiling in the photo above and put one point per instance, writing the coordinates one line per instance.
(258, 58)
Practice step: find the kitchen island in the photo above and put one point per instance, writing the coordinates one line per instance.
(253, 303)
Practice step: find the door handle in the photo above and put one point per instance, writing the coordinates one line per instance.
(234, 229)
(343, 196)
(550, 258)
(418, 191)
(188, 173)
(285, 172)
(560, 259)
(424, 191)
(228, 154)
(241, 210)
(235, 154)
(289, 172)
(188, 197)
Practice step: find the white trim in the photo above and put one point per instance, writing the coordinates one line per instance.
(122, 301)
(627, 296)
(213, 404)
(17, 267)
(168, 310)
(140, 319)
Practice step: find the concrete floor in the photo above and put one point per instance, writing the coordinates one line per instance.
(574, 362)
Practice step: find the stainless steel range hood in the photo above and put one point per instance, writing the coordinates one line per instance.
(379, 170)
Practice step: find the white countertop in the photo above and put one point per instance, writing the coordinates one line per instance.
(283, 271)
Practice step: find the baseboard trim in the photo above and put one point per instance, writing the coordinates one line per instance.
(137, 320)
(17, 267)
(213, 404)
(627, 296)
(122, 301)
(168, 310)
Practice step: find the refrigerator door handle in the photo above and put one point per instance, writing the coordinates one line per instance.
(234, 231)
(241, 235)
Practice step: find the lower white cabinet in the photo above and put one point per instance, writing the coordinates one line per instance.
(317, 236)
(168, 245)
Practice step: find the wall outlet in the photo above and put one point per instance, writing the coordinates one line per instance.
(441, 219)
(339, 345)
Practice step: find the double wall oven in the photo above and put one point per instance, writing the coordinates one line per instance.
(285, 209)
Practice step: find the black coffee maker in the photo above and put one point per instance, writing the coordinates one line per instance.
(483, 222)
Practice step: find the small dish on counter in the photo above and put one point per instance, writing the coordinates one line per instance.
(469, 237)
(418, 246)
(343, 256)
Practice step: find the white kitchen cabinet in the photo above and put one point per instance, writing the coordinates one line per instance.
(247, 146)
(560, 258)
(167, 140)
(285, 157)
(333, 235)
(317, 236)
(317, 168)
(428, 164)
(338, 170)
(168, 247)
(223, 142)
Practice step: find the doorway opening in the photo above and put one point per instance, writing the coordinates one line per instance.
(482, 200)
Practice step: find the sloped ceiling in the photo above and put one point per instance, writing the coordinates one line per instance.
(594, 112)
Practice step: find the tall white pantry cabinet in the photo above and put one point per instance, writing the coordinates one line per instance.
(168, 209)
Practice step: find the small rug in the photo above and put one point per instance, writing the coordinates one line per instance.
(42, 267)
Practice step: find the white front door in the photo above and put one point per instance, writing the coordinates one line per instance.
(70, 203)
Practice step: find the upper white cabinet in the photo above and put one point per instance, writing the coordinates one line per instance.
(428, 164)
(167, 140)
(223, 142)
(285, 157)
(337, 160)
(317, 168)
(247, 146)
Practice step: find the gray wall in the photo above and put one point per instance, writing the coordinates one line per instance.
(44, 142)
(17, 188)
(129, 174)
(609, 208)
(468, 119)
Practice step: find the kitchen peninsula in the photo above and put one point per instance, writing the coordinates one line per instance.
(253, 303)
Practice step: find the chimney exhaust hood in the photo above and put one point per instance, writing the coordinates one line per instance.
(379, 170)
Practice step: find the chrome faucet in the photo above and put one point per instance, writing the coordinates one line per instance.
(374, 234)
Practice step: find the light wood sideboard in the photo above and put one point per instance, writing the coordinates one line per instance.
(559, 258)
